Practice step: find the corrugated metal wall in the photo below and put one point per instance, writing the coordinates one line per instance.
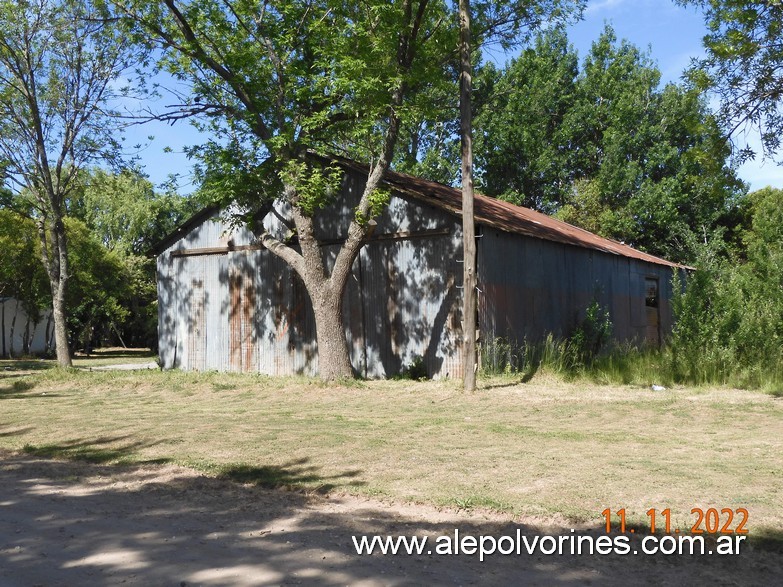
(247, 311)
(531, 287)
(20, 334)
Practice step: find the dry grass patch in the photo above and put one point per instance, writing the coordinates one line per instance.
(546, 449)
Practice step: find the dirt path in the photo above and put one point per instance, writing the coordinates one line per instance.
(64, 523)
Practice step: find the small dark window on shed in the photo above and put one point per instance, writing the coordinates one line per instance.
(651, 293)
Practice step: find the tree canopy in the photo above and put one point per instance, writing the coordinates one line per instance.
(604, 147)
(116, 219)
(744, 65)
(124, 211)
(21, 274)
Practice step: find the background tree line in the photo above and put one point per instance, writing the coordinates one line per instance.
(599, 144)
(111, 221)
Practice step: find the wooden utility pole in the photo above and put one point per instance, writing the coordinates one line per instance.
(468, 222)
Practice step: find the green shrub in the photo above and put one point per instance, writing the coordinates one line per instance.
(729, 319)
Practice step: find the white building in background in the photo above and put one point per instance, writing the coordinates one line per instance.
(20, 335)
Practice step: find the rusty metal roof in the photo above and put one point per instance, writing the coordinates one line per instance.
(504, 215)
(489, 211)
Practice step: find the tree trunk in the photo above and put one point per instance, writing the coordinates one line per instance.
(55, 259)
(468, 222)
(2, 328)
(60, 324)
(334, 361)
(11, 351)
(325, 290)
(26, 338)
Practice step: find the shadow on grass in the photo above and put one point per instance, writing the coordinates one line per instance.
(289, 475)
(15, 432)
(11, 365)
(296, 474)
(518, 379)
(17, 387)
(96, 451)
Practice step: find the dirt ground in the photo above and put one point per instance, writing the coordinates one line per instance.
(66, 523)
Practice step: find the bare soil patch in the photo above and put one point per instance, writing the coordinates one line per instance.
(66, 523)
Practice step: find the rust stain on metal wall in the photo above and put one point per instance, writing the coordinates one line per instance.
(242, 301)
(235, 319)
(248, 325)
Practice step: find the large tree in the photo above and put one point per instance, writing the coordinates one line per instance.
(273, 81)
(744, 65)
(58, 61)
(524, 145)
(606, 148)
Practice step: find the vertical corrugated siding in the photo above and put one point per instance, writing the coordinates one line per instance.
(19, 333)
(248, 311)
(533, 287)
(412, 305)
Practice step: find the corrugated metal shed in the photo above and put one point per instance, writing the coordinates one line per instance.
(225, 303)
(228, 304)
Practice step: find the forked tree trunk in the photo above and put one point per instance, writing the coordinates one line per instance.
(325, 290)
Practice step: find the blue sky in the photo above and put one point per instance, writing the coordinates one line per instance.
(670, 33)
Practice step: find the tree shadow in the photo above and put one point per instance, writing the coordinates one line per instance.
(290, 475)
(116, 354)
(99, 524)
(97, 450)
(15, 432)
(19, 388)
(13, 365)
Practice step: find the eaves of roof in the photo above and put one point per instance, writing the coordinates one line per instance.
(184, 228)
(505, 216)
(489, 211)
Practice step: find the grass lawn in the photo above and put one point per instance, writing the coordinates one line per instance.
(547, 450)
